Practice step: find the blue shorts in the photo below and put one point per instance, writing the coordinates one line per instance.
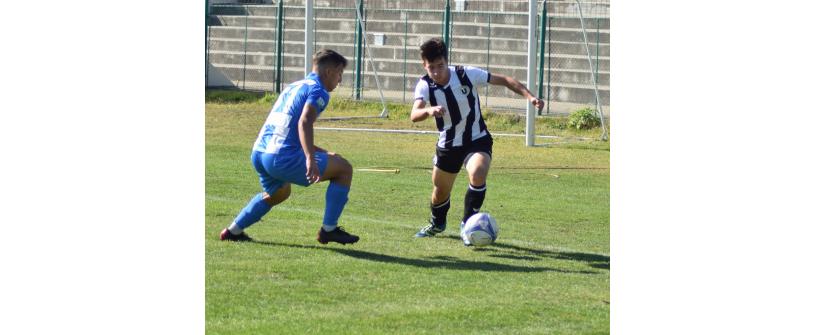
(275, 170)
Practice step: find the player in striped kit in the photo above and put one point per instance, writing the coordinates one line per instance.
(448, 94)
(284, 153)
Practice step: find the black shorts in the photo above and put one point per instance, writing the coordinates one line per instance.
(451, 159)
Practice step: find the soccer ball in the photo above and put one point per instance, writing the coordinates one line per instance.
(480, 229)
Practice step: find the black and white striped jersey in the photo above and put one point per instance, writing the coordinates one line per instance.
(462, 122)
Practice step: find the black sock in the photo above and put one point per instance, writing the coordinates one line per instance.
(473, 200)
(438, 213)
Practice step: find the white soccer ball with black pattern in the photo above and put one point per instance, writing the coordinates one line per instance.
(481, 229)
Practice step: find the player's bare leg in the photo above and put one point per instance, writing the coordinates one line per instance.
(442, 185)
(279, 196)
(477, 168)
(338, 170)
(340, 173)
(439, 203)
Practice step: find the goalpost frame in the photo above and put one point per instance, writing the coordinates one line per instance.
(604, 135)
(592, 61)
(530, 72)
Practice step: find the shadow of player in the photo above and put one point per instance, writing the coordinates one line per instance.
(444, 262)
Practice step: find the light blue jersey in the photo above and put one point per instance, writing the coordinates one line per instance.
(280, 133)
(280, 161)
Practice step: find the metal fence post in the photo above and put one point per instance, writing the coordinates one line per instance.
(245, 37)
(358, 54)
(549, 69)
(404, 60)
(447, 26)
(279, 48)
(542, 37)
(450, 44)
(206, 43)
(489, 41)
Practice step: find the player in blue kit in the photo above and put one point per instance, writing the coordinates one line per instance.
(448, 94)
(284, 153)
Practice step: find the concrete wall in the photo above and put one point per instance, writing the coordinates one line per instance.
(242, 46)
(222, 2)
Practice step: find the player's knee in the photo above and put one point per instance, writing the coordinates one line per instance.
(268, 199)
(479, 174)
(279, 196)
(347, 168)
(285, 192)
(341, 171)
(479, 180)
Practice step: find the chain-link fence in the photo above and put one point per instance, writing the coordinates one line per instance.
(260, 47)
(576, 54)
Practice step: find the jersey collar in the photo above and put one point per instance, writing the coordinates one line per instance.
(316, 77)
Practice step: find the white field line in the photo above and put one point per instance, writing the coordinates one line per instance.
(402, 131)
(315, 213)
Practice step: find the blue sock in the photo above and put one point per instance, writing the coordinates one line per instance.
(254, 210)
(335, 198)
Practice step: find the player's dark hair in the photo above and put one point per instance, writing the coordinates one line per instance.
(434, 48)
(328, 58)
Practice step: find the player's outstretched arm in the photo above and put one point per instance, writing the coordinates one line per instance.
(306, 127)
(420, 112)
(516, 86)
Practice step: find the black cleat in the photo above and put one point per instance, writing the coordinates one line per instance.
(227, 235)
(337, 235)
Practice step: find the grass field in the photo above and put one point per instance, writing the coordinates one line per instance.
(548, 273)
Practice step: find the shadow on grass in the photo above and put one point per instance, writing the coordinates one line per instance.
(523, 253)
(445, 262)
(554, 167)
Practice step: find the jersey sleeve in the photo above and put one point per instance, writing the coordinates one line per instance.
(422, 92)
(319, 99)
(477, 76)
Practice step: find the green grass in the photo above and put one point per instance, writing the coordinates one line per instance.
(548, 273)
(498, 121)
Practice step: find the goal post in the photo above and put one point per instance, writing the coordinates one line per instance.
(574, 51)
(530, 72)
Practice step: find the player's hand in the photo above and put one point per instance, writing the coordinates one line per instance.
(435, 111)
(538, 103)
(312, 171)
